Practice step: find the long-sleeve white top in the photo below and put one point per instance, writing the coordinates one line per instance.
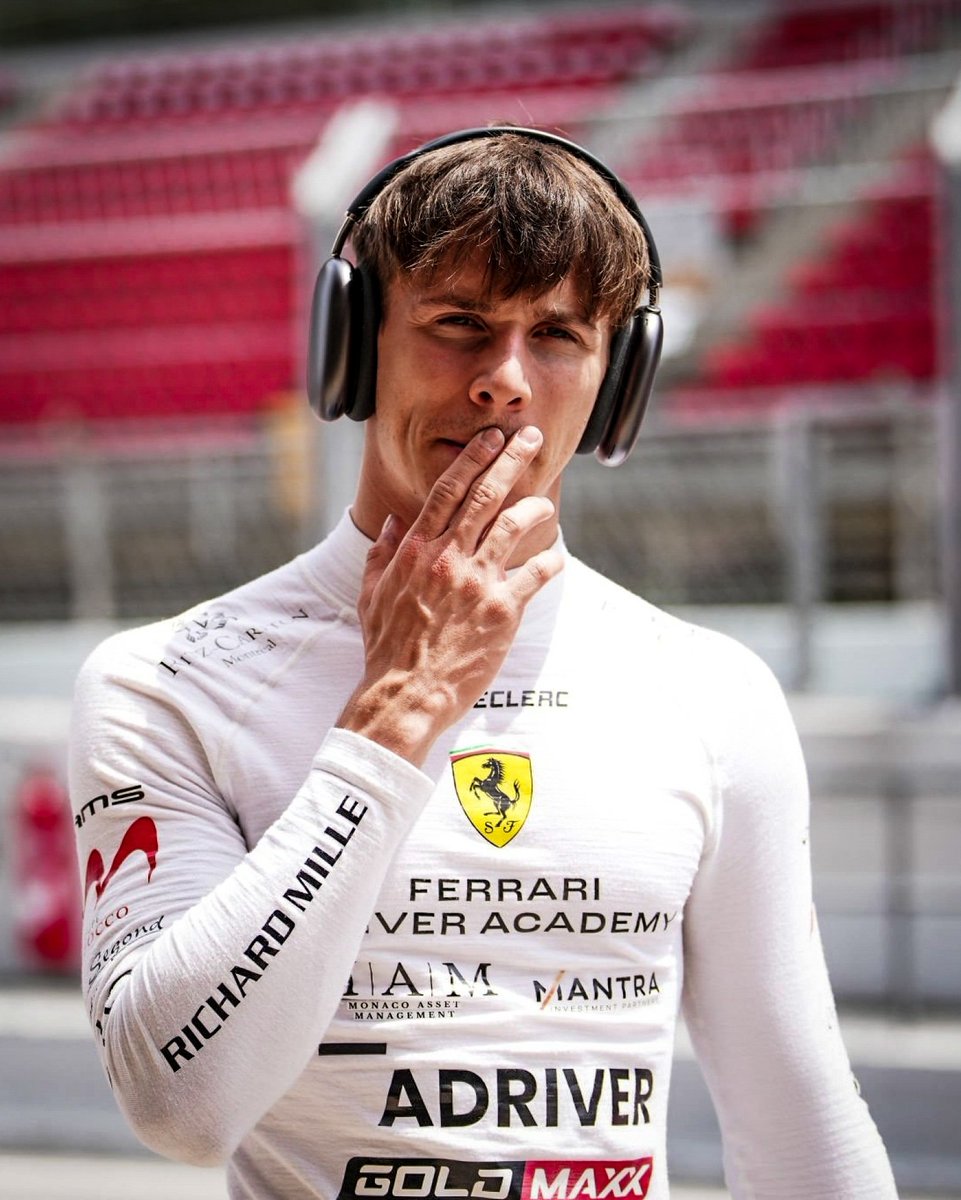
(349, 977)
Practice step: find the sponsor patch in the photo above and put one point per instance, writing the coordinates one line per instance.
(442, 1179)
(495, 789)
(124, 795)
(139, 837)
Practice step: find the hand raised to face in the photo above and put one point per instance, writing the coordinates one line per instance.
(438, 609)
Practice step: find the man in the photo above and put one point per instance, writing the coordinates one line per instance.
(400, 860)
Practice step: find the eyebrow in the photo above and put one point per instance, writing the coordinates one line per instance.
(472, 303)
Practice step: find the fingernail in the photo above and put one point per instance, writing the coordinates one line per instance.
(530, 435)
(492, 438)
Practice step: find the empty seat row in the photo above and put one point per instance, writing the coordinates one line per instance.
(894, 249)
(528, 69)
(267, 300)
(863, 308)
(585, 34)
(134, 274)
(833, 32)
(157, 373)
(257, 177)
(519, 55)
(718, 139)
(893, 346)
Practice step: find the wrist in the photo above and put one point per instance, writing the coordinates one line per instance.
(396, 713)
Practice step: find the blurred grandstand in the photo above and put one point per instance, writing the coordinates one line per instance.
(154, 268)
(155, 443)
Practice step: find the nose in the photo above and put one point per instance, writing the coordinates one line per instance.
(501, 380)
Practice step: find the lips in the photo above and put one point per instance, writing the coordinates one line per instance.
(461, 442)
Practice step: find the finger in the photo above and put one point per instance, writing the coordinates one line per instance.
(489, 491)
(448, 492)
(380, 556)
(539, 570)
(512, 524)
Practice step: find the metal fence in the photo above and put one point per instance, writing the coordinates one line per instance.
(802, 504)
(798, 505)
(141, 521)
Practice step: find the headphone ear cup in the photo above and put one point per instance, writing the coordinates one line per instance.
(342, 342)
(328, 348)
(608, 393)
(615, 423)
(640, 365)
(365, 324)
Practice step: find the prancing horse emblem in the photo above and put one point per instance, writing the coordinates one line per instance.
(491, 788)
(495, 788)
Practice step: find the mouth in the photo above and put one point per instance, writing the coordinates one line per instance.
(448, 450)
(458, 443)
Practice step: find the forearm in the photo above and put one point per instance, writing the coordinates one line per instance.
(197, 1031)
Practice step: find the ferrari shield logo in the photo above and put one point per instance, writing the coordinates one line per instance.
(495, 788)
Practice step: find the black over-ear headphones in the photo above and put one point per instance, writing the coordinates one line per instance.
(345, 316)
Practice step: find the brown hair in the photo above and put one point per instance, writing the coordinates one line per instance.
(537, 212)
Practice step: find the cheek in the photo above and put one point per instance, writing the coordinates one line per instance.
(410, 380)
(388, 429)
(564, 435)
(583, 390)
(597, 372)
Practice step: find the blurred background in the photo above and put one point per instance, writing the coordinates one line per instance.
(171, 176)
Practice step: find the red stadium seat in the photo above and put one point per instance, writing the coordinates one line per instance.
(186, 151)
(863, 311)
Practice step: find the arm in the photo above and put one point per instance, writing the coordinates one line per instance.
(757, 998)
(228, 945)
(212, 971)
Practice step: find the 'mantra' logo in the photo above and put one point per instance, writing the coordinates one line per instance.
(495, 789)
(140, 836)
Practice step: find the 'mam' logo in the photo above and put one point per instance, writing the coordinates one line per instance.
(495, 789)
(140, 836)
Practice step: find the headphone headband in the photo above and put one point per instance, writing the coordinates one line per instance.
(366, 196)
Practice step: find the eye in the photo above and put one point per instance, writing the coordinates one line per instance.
(557, 331)
(459, 321)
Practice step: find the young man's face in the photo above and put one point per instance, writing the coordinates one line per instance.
(454, 359)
